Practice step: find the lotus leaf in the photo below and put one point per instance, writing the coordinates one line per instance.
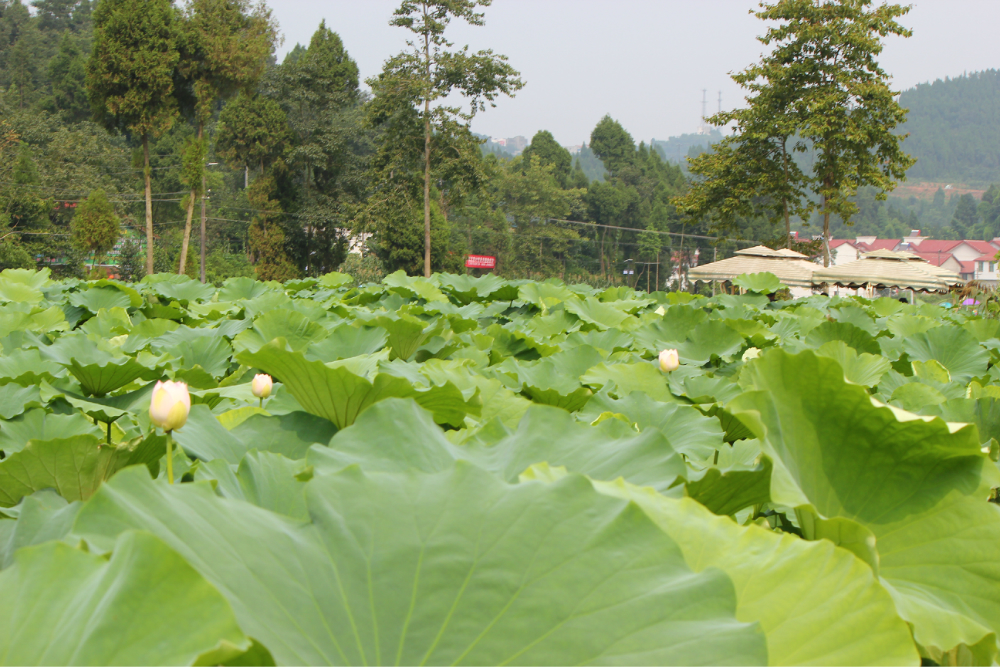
(489, 572)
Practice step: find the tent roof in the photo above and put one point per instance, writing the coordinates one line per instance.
(788, 252)
(949, 277)
(791, 272)
(758, 251)
(883, 268)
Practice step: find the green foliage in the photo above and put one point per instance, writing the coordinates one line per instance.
(421, 77)
(252, 132)
(96, 227)
(954, 142)
(810, 517)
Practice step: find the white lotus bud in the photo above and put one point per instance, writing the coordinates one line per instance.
(669, 360)
(170, 404)
(261, 385)
(751, 353)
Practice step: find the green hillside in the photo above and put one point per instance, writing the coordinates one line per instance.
(954, 128)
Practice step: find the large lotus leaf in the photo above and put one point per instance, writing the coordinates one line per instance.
(857, 317)
(859, 339)
(733, 479)
(405, 333)
(339, 395)
(713, 338)
(689, 431)
(297, 330)
(37, 320)
(18, 292)
(348, 341)
(136, 299)
(42, 425)
(983, 330)
(984, 412)
(397, 435)
(916, 487)
(144, 606)
(955, 348)
(455, 567)
(903, 326)
(15, 399)
(290, 434)
(241, 288)
(592, 311)
(544, 295)
(544, 382)
(334, 279)
(184, 290)
(98, 370)
(675, 325)
(759, 283)
(817, 604)
(642, 376)
(96, 299)
(607, 451)
(203, 437)
(264, 479)
(467, 289)
(44, 516)
(916, 397)
(864, 369)
(36, 279)
(74, 466)
(212, 354)
(109, 323)
(413, 287)
(612, 340)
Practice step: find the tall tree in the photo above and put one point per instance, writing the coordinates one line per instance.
(318, 88)
(67, 74)
(130, 76)
(429, 71)
(254, 131)
(224, 48)
(544, 145)
(752, 171)
(96, 227)
(823, 67)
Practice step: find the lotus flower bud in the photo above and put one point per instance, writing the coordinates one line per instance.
(261, 385)
(169, 405)
(669, 360)
(751, 353)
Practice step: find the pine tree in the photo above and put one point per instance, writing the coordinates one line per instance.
(130, 76)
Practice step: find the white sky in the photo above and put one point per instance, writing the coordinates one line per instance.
(645, 62)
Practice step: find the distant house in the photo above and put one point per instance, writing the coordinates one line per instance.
(843, 251)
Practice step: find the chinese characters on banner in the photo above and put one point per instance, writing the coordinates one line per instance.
(480, 262)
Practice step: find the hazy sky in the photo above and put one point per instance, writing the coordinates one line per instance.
(645, 62)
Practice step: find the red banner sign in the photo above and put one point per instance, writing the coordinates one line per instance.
(480, 262)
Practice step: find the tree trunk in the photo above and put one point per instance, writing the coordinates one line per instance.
(149, 205)
(203, 191)
(784, 201)
(190, 215)
(603, 271)
(427, 148)
(826, 234)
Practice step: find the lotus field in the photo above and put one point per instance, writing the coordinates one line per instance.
(476, 471)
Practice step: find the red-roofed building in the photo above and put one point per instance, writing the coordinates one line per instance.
(843, 251)
(881, 244)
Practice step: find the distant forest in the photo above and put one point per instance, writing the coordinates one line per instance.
(954, 128)
(331, 163)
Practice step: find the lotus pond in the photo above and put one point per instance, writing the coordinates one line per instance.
(476, 471)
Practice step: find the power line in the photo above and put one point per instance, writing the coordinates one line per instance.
(651, 231)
